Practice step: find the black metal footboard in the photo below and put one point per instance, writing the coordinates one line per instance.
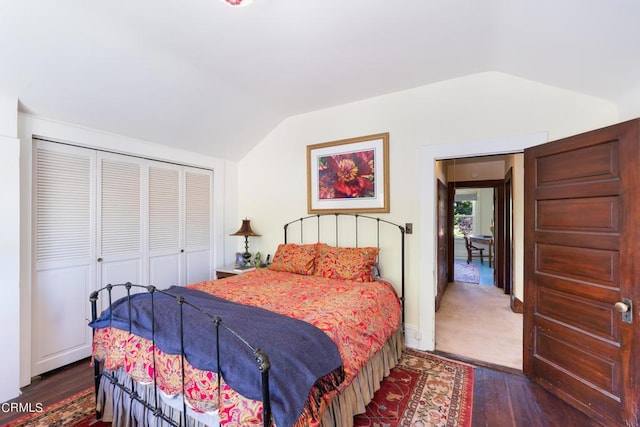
(261, 359)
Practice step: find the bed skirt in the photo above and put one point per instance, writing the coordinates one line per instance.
(118, 408)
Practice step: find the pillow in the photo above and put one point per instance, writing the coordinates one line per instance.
(292, 258)
(346, 263)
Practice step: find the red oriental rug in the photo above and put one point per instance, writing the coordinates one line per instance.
(77, 410)
(422, 390)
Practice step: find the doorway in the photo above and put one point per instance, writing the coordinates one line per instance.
(473, 213)
(470, 314)
(476, 218)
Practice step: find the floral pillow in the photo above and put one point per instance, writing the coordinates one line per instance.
(293, 258)
(354, 264)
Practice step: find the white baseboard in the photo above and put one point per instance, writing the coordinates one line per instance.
(411, 336)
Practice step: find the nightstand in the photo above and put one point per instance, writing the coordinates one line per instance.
(230, 270)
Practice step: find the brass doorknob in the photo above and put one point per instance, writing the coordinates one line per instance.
(621, 307)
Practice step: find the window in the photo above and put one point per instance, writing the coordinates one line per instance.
(463, 217)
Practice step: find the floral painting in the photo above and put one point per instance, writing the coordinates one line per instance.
(349, 175)
(346, 175)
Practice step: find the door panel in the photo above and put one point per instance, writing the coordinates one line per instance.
(581, 234)
(164, 271)
(117, 271)
(60, 312)
(198, 266)
(120, 242)
(568, 214)
(64, 266)
(198, 226)
(443, 240)
(508, 234)
(166, 260)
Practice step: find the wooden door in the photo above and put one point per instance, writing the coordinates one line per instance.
(582, 228)
(444, 272)
(508, 232)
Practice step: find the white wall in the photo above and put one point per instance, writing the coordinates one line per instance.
(459, 117)
(10, 247)
(8, 115)
(224, 202)
(518, 226)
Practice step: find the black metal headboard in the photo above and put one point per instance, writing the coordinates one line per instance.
(355, 229)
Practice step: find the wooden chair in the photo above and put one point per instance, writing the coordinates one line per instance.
(473, 251)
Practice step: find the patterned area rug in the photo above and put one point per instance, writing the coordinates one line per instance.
(463, 272)
(77, 410)
(423, 390)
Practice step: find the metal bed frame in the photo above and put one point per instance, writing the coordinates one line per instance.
(261, 359)
(356, 230)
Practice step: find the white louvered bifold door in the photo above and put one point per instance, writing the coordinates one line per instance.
(165, 211)
(64, 227)
(102, 218)
(198, 220)
(120, 240)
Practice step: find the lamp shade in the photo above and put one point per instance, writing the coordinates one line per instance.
(245, 229)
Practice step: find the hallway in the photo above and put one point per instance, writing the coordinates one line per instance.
(476, 321)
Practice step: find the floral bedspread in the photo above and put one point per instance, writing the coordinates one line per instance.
(359, 317)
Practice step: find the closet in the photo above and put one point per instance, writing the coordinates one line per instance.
(103, 218)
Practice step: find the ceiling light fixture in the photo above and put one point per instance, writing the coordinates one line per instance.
(238, 3)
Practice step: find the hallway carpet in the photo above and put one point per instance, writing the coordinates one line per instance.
(476, 322)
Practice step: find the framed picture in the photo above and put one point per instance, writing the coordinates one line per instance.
(350, 175)
(239, 259)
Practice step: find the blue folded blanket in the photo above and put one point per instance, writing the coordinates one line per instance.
(299, 353)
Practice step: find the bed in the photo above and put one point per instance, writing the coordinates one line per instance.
(303, 342)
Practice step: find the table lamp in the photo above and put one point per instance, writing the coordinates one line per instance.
(246, 231)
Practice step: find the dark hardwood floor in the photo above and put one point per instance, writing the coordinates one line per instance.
(51, 387)
(502, 397)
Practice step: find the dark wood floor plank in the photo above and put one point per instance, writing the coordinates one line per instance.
(509, 399)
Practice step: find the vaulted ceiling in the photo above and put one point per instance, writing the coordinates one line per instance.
(215, 79)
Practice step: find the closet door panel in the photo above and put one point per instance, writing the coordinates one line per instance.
(165, 212)
(165, 271)
(64, 256)
(198, 220)
(120, 221)
(197, 267)
(61, 309)
(117, 271)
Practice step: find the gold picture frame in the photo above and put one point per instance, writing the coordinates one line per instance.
(349, 175)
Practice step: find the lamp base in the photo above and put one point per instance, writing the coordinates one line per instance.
(246, 261)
